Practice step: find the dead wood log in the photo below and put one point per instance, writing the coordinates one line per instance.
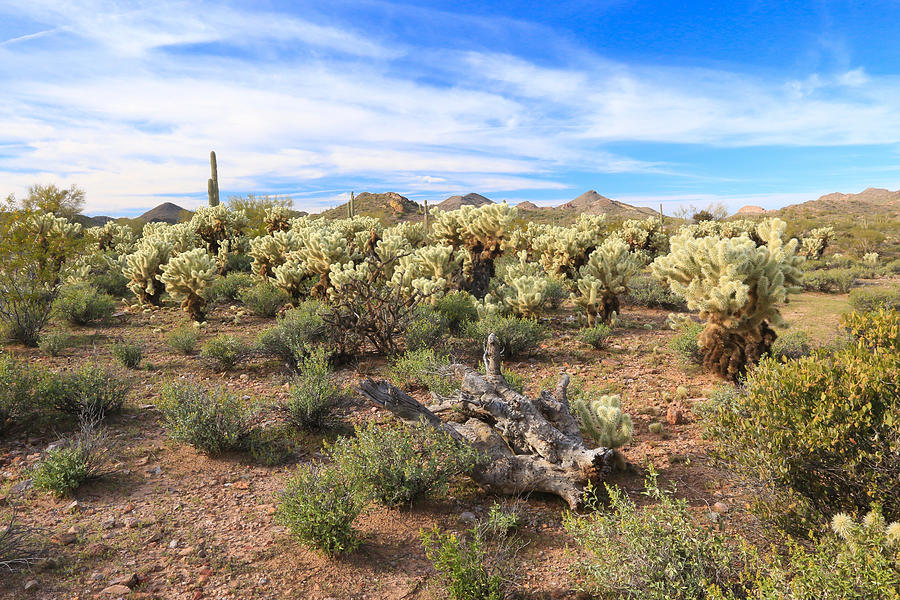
(528, 444)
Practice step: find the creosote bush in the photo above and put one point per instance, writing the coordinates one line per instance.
(88, 391)
(298, 332)
(319, 507)
(264, 299)
(213, 421)
(865, 300)
(516, 336)
(82, 304)
(423, 368)
(685, 343)
(458, 308)
(398, 464)
(426, 329)
(128, 355)
(228, 288)
(183, 339)
(227, 350)
(596, 336)
(313, 393)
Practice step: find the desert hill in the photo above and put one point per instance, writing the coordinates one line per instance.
(165, 213)
(390, 207)
(455, 202)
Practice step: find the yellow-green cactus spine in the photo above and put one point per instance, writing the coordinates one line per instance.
(143, 269)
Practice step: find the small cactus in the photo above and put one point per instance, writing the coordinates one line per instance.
(603, 420)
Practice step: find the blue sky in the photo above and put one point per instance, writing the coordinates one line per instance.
(646, 102)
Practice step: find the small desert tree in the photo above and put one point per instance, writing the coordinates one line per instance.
(66, 203)
(188, 277)
(736, 284)
(604, 278)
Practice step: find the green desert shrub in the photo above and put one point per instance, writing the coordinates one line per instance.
(686, 341)
(271, 446)
(458, 308)
(555, 292)
(866, 300)
(183, 340)
(837, 280)
(228, 288)
(90, 391)
(298, 331)
(516, 336)
(319, 506)
(213, 421)
(423, 368)
(81, 304)
(82, 459)
(52, 344)
(128, 355)
(654, 552)
(264, 299)
(596, 336)
(398, 464)
(468, 569)
(876, 329)
(19, 391)
(313, 393)
(646, 290)
(226, 350)
(426, 329)
(792, 344)
(820, 432)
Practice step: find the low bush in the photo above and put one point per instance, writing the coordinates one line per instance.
(229, 287)
(183, 339)
(313, 393)
(423, 368)
(685, 343)
(271, 446)
(458, 308)
(516, 336)
(128, 355)
(297, 333)
(81, 304)
(866, 300)
(877, 329)
(426, 329)
(21, 546)
(18, 391)
(555, 293)
(468, 569)
(502, 519)
(398, 464)
(319, 506)
(227, 350)
(596, 336)
(820, 432)
(837, 280)
(52, 344)
(90, 391)
(792, 344)
(264, 299)
(84, 458)
(646, 290)
(213, 421)
(655, 552)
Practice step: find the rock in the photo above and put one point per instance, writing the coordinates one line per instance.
(173, 544)
(55, 446)
(109, 523)
(31, 585)
(65, 539)
(73, 506)
(128, 581)
(22, 486)
(674, 416)
(96, 550)
(116, 590)
(720, 507)
(467, 517)
(131, 523)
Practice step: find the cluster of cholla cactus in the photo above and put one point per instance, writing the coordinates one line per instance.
(111, 237)
(277, 218)
(430, 271)
(220, 228)
(736, 284)
(143, 268)
(271, 251)
(603, 420)
(187, 277)
(645, 238)
(483, 231)
(870, 259)
(604, 278)
(816, 241)
(561, 251)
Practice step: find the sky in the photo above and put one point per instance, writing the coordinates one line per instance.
(646, 102)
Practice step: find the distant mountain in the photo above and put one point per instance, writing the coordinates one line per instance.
(751, 210)
(871, 202)
(165, 213)
(455, 202)
(528, 205)
(390, 207)
(593, 203)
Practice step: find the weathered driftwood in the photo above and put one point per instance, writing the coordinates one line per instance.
(529, 444)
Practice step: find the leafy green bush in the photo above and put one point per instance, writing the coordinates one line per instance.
(183, 339)
(458, 308)
(271, 446)
(516, 336)
(654, 552)
(426, 329)
(686, 344)
(313, 393)
(298, 331)
(792, 344)
(81, 304)
(465, 565)
(128, 355)
(83, 459)
(227, 350)
(877, 329)
(319, 507)
(866, 300)
(646, 290)
(229, 287)
(596, 336)
(555, 293)
(213, 421)
(19, 383)
(838, 280)
(399, 464)
(502, 519)
(423, 368)
(52, 344)
(90, 391)
(264, 299)
(821, 432)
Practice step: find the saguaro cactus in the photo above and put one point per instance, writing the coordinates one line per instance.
(212, 186)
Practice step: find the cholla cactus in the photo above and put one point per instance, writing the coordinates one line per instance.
(215, 224)
(603, 420)
(321, 249)
(143, 268)
(561, 251)
(112, 237)
(271, 251)
(482, 231)
(187, 277)
(816, 241)
(736, 285)
(361, 234)
(292, 275)
(431, 271)
(180, 237)
(873, 532)
(525, 295)
(604, 278)
(870, 259)
(645, 238)
(277, 218)
(413, 233)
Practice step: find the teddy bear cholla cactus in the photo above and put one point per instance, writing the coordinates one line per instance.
(187, 277)
(816, 241)
(271, 251)
(604, 278)
(561, 251)
(277, 218)
(143, 268)
(736, 285)
(603, 420)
